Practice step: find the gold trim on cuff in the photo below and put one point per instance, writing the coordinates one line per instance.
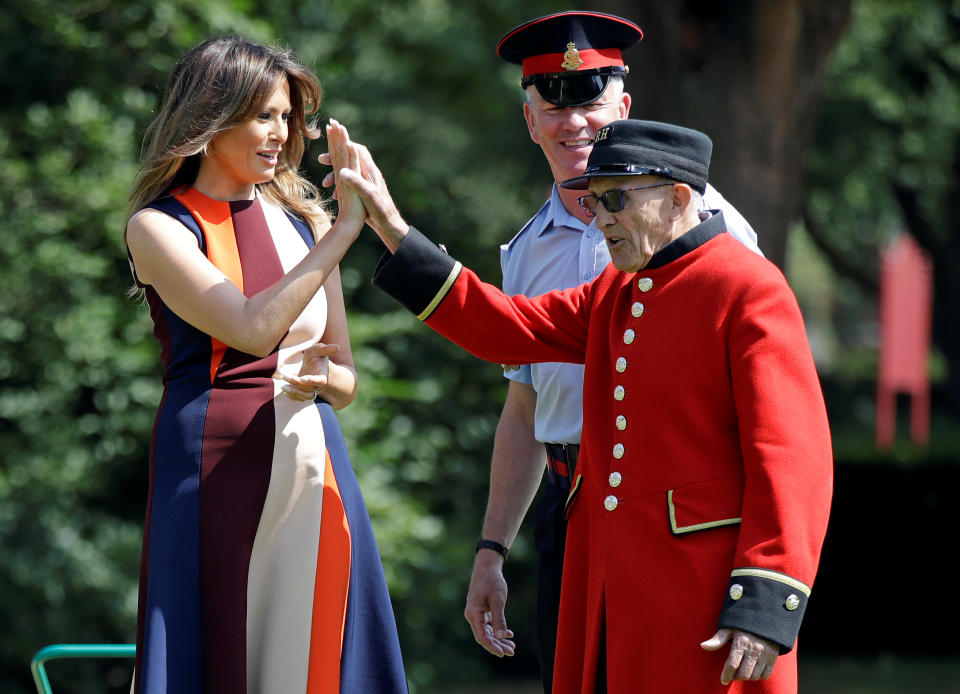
(451, 278)
(681, 529)
(773, 576)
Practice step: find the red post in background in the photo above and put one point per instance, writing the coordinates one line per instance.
(906, 300)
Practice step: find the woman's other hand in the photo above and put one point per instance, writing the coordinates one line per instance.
(314, 373)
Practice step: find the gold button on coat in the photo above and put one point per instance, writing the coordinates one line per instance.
(621, 364)
(628, 336)
(618, 451)
(736, 591)
(619, 392)
(615, 479)
(610, 502)
(636, 309)
(645, 284)
(792, 602)
(621, 422)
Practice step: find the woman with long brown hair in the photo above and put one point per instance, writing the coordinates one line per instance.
(259, 571)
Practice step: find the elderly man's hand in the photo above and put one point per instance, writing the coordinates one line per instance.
(751, 657)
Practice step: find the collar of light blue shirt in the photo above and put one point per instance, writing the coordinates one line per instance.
(559, 217)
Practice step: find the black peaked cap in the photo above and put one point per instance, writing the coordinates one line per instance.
(635, 147)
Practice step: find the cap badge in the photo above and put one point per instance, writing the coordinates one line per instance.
(571, 58)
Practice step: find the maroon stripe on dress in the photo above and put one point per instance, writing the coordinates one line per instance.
(258, 254)
(237, 456)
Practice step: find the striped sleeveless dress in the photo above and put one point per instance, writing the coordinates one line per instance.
(260, 573)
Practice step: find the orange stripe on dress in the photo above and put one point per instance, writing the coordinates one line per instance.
(216, 222)
(330, 591)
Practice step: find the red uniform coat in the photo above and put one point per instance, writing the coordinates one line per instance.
(703, 486)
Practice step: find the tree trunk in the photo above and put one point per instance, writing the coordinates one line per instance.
(749, 74)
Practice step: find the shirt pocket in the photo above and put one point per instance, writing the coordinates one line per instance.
(704, 505)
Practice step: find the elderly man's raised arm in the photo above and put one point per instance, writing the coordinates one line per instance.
(479, 317)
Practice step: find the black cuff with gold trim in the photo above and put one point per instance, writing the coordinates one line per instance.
(417, 275)
(766, 603)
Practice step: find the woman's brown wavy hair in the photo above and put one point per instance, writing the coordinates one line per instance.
(221, 83)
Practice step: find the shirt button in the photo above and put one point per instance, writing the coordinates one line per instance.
(645, 284)
(628, 336)
(621, 364)
(619, 392)
(636, 309)
(621, 422)
(610, 502)
(736, 591)
(792, 602)
(589, 233)
(587, 275)
(618, 451)
(615, 479)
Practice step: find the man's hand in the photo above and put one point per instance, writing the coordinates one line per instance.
(751, 657)
(486, 600)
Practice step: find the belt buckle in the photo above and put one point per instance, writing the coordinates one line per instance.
(564, 454)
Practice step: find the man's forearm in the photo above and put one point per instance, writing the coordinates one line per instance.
(392, 232)
(516, 469)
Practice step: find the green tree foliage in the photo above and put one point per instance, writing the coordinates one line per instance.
(887, 159)
(419, 83)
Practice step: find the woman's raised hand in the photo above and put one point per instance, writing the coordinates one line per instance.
(344, 156)
(365, 180)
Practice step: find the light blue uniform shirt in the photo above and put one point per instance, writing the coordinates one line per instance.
(555, 250)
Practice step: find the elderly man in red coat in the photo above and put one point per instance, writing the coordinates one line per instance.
(703, 488)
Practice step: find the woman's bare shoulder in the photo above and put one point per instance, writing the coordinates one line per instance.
(151, 224)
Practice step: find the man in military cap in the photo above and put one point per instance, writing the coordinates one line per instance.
(573, 71)
(702, 489)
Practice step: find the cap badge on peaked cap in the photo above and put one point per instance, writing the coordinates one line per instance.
(571, 58)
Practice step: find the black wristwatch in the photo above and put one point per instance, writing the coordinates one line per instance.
(495, 546)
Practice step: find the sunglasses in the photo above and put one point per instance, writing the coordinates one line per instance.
(613, 200)
(572, 92)
(572, 89)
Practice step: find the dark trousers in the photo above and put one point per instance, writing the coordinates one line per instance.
(550, 533)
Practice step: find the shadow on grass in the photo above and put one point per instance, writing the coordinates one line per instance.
(821, 675)
(880, 675)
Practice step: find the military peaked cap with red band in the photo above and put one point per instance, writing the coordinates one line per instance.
(570, 56)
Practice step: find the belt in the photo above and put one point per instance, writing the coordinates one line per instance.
(561, 463)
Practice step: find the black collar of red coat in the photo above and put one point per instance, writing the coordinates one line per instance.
(693, 239)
